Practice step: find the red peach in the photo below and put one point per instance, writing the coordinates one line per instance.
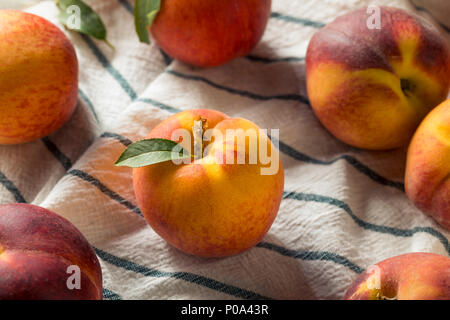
(38, 248)
(371, 87)
(209, 32)
(411, 276)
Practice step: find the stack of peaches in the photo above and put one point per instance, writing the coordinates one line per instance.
(373, 87)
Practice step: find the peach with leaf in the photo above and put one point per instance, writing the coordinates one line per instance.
(205, 191)
(203, 33)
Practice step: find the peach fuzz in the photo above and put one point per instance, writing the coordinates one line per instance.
(411, 276)
(38, 77)
(36, 249)
(427, 179)
(372, 87)
(206, 208)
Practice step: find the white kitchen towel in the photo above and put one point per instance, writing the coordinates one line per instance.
(343, 210)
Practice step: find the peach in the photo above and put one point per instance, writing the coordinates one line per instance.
(214, 206)
(38, 77)
(372, 87)
(427, 179)
(411, 276)
(209, 33)
(39, 252)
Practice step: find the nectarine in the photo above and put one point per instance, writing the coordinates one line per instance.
(38, 77)
(370, 85)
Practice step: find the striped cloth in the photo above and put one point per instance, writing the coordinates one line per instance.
(343, 210)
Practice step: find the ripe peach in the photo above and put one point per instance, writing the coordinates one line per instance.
(427, 180)
(209, 33)
(37, 247)
(211, 207)
(412, 276)
(371, 87)
(38, 77)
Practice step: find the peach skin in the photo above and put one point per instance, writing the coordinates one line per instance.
(427, 179)
(210, 207)
(38, 77)
(411, 276)
(371, 87)
(38, 248)
(209, 33)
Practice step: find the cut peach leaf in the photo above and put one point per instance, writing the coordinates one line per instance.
(145, 12)
(78, 16)
(150, 151)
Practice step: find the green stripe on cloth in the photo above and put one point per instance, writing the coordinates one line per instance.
(9, 185)
(89, 103)
(110, 295)
(358, 165)
(109, 67)
(243, 93)
(185, 276)
(104, 189)
(302, 21)
(274, 60)
(366, 225)
(312, 256)
(61, 157)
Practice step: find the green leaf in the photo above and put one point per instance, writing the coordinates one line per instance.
(78, 16)
(145, 12)
(151, 151)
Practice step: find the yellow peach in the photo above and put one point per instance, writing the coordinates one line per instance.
(38, 77)
(371, 87)
(427, 179)
(210, 207)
